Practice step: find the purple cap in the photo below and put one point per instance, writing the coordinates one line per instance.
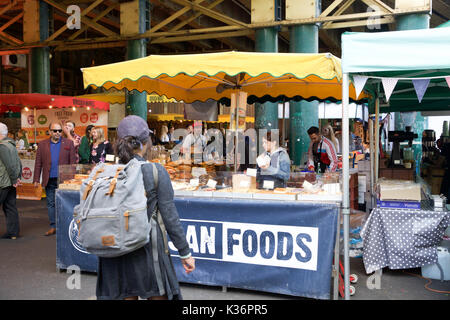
(133, 126)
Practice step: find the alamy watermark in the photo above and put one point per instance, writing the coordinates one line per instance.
(374, 281)
(374, 23)
(218, 145)
(74, 20)
(74, 280)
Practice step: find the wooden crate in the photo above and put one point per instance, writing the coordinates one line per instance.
(28, 191)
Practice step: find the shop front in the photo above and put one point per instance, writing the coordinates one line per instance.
(244, 234)
(37, 112)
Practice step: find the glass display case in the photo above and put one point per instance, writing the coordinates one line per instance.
(71, 176)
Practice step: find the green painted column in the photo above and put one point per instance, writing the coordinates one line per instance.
(40, 70)
(413, 119)
(302, 114)
(266, 114)
(40, 57)
(137, 101)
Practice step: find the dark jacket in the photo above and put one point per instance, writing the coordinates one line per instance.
(43, 161)
(10, 165)
(135, 272)
(84, 150)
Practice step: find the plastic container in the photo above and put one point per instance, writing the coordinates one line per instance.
(433, 271)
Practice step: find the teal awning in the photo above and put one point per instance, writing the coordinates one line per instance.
(396, 51)
(444, 25)
(404, 55)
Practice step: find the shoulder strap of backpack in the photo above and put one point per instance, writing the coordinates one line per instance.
(158, 213)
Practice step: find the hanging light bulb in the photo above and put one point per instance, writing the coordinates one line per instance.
(89, 108)
(50, 107)
(26, 109)
(74, 109)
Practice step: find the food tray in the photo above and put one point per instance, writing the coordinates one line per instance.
(275, 196)
(319, 197)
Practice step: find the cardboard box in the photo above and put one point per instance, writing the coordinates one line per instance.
(361, 199)
(28, 191)
(403, 174)
(364, 165)
(436, 183)
(385, 173)
(400, 190)
(353, 180)
(363, 182)
(243, 183)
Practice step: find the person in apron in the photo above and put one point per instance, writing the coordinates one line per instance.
(321, 153)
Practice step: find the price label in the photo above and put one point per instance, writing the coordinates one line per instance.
(268, 184)
(197, 172)
(251, 172)
(211, 183)
(194, 182)
(110, 158)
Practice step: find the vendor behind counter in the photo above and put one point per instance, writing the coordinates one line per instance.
(274, 164)
(322, 155)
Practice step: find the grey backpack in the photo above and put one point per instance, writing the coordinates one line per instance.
(112, 215)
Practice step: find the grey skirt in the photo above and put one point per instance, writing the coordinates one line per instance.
(134, 274)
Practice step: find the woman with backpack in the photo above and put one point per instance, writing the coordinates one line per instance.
(138, 274)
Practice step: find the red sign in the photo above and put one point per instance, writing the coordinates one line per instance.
(94, 117)
(26, 173)
(84, 117)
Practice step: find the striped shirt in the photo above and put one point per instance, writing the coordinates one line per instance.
(327, 149)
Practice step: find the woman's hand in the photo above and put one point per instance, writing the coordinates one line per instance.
(188, 264)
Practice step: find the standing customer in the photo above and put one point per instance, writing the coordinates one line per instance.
(100, 147)
(164, 136)
(136, 273)
(84, 151)
(327, 132)
(10, 171)
(69, 133)
(52, 153)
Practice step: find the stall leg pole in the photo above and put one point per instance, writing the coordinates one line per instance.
(377, 138)
(345, 182)
(35, 130)
(372, 161)
(335, 271)
(236, 148)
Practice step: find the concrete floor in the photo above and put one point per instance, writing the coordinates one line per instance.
(28, 272)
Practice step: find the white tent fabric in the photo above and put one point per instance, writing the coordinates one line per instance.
(396, 50)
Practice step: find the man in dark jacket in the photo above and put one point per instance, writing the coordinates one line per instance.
(52, 153)
(10, 172)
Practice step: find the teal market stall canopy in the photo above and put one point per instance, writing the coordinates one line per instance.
(410, 69)
(413, 67)
(444, 25)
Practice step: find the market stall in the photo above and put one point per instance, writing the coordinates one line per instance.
(37, 112)
(415, 81)
(236, 241)
(240, 78)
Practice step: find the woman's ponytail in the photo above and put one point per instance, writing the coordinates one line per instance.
(126, 148)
